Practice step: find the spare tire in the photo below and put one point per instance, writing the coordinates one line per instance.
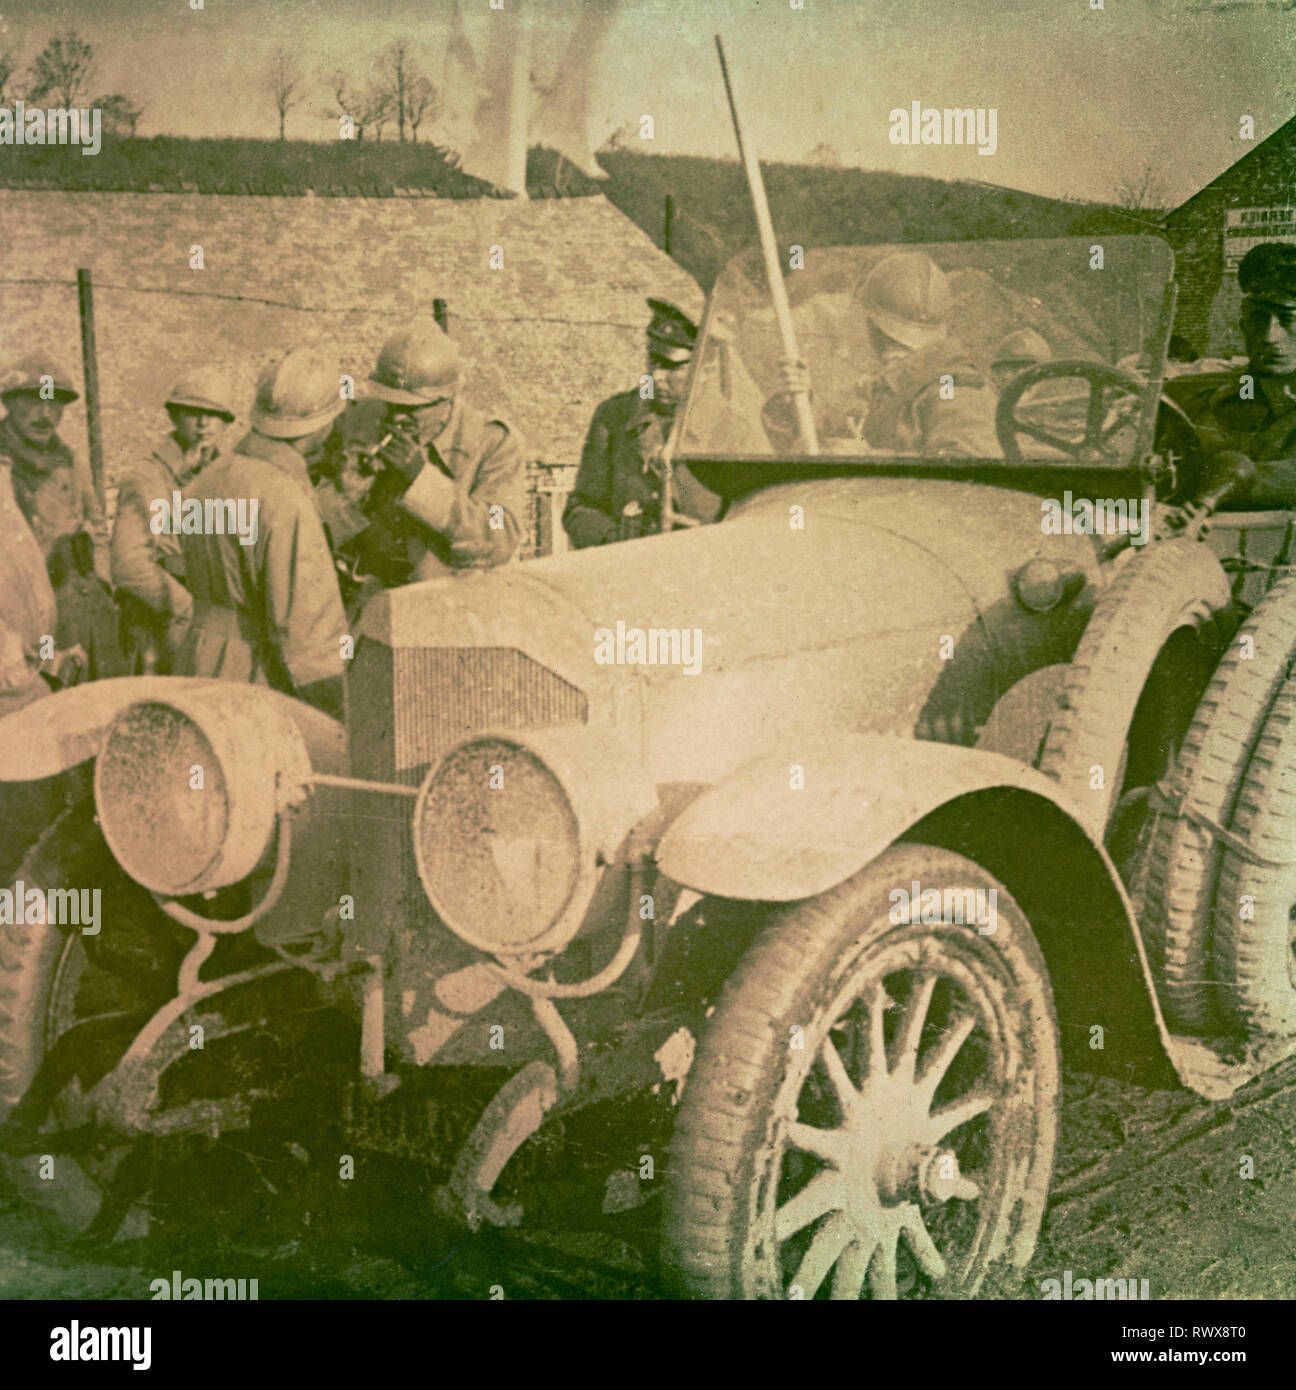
(1132, 639)
(1184, 858)
(1254, 904)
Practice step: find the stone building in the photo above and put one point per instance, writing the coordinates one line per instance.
(1252, 200)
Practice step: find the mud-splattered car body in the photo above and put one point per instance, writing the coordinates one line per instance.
(571, 794)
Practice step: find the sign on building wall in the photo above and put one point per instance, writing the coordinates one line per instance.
(1247, 227)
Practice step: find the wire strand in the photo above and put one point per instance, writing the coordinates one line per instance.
(326, 309)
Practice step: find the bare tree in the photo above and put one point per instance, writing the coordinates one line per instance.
(375, 107)
(284, 81)
(1145, 192)
(420, 104)
(63, 69)
(120, 115)
(397, 67)
(412, 93)
(370, 108)
(340, 85)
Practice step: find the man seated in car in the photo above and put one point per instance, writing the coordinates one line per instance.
(925, 396)
(1252, 409)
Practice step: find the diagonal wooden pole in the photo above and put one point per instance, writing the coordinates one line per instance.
(769, 247)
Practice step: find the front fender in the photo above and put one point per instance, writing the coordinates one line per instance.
(756, 837)
(55, 734)
(778, 831)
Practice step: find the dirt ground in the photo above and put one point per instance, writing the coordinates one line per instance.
(1148, 1185)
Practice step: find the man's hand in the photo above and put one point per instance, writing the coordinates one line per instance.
(70, 666)
(794, 377)
(403, 456)
(341, 511)
(1228, 474)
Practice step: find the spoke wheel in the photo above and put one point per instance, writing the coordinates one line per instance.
(873, 1109)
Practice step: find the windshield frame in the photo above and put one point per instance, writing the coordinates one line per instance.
(996, 469)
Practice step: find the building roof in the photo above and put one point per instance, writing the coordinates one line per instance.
(1285, 132)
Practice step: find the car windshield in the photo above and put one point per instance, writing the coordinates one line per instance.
(910, 348)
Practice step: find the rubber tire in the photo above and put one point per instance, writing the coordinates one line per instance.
(1184, 859)
(725, 1126)
(70, 853)
(1252, 958)
(1178, 584)
(29, 956)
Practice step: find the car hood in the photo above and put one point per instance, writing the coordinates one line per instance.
(855, 611)
(982, 534)
(759, 584)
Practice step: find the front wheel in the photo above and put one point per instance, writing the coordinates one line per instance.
(873, 1108)
(70, 1004)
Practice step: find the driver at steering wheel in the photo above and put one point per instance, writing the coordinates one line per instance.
(925, 396)
(1253, 410)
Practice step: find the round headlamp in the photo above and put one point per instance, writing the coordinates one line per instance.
(187, 788)
(508, 833)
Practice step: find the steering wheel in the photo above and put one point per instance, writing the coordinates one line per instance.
(1097, 446)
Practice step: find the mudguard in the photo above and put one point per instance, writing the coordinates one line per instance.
(781, 831)
(55, 734)
(778, 831)
(66, 730)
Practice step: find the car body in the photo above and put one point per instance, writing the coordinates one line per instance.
(574, 796)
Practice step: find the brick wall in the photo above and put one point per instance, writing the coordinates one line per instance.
(1208, 295)
(546, 338)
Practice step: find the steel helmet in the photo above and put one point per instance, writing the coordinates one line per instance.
(1022, 345)
(27, 374)
(298, 394)
(206, 390)
(419, 365)
(908, 297)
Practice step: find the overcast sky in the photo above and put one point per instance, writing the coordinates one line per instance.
(1084, 97)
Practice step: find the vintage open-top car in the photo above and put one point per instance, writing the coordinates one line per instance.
(829, 828)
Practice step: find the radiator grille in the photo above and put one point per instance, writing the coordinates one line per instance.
(408, 705)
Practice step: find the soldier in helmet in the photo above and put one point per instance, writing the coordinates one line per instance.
(147, 567)
(925, 396)
(1058, 405)
(1252, 409)
(27, 617)
(451, 493)
(27, 609)
(55, 495)
(618, 488)
(269, 611)
(57, 498)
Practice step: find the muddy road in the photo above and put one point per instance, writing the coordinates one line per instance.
(1148, 1185)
